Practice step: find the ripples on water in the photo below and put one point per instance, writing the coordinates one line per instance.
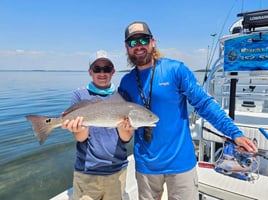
(28, 170)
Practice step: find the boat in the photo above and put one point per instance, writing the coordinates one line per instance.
(238, 80)
(131, 192)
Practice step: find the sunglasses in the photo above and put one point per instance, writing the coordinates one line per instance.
(145, 40)
(104, 69)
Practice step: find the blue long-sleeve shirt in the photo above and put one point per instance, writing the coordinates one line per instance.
(171, 149)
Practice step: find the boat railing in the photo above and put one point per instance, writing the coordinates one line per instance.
(251, 97)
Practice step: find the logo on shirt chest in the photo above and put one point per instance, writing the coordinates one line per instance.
(164, 84)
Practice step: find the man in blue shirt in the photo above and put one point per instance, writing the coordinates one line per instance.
(165, 154)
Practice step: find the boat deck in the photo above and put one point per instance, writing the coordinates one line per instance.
(131, 192)
(225, 187)
(221, 186)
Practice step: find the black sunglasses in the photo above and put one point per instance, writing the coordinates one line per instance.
(144, 40)
(104, 69)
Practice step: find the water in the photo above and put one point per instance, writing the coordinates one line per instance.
(28, 170)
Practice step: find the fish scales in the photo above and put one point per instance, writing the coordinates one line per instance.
(96, 112)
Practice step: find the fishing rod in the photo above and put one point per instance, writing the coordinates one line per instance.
(228, 139)
(211, 54)
(212, 51)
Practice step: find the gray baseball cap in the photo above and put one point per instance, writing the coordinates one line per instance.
(137, 28)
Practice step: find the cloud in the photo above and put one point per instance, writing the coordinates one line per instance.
(20, 59)
(194, 60)
(28, 60)
(21, 52)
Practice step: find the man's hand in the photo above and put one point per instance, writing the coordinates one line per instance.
(76, 126)
(125, 129)
(246, 143)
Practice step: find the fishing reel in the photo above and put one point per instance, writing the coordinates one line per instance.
(244, 159)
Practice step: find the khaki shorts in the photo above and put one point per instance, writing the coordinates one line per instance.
(183, 186)
(94, 187)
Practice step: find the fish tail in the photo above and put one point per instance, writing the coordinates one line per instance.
(42, 126)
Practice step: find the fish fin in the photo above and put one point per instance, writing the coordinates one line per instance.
(131, 122)
(81, 104)
(42, 126)
(116, 97)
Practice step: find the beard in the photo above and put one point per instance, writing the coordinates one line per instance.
(140, 61)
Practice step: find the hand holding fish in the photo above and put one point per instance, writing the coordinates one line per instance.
(81, 132)
(95, 112)
(75, 126)
(125, 129)
(125, 124)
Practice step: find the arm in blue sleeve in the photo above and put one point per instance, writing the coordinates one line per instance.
(207, 107)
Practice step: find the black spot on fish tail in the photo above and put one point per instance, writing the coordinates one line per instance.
(42, 126)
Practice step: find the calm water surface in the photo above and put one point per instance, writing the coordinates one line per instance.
(27, 170)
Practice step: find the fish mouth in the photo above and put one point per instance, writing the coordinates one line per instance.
(152, 124)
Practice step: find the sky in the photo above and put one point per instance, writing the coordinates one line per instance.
(62, 34)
